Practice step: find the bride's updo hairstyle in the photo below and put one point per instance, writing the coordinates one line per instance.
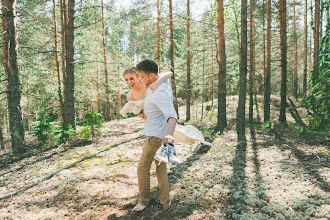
(130, 70)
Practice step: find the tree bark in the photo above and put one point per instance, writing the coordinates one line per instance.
(316, 41)
(283, 43)
(173, 83)
(305, 51)
(118, 89)
(64, 36)
(57, 62)
(222, 115)
(295, 54)
(9, 28)
(158, 32)
(107, 90)
(251, 78)
(268, 73)
(68, 78)
(188, 95)
(243, 72)
(1, 139)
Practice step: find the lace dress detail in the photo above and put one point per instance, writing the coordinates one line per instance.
(133, 107)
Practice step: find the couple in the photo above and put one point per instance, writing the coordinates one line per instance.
(156, 106)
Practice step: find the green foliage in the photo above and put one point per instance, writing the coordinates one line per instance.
(318, 98)
(210, 133)
(302, 130)
(44, 126)
(266, 128)
(327, 155)
(92, 124)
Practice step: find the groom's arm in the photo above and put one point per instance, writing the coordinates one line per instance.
(169, 139)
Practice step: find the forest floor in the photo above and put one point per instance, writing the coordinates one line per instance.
(282, 173)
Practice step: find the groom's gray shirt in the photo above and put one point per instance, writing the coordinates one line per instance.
(158, 107)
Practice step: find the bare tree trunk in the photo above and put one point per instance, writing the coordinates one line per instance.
(1, 139)
(9, 28)
(203, 89)
(251, 78)
(222, 115)
(212, 76)
(267, 76)
(68, 78)
(158, 32)
(64, 36)
(316, 41)
(310, 42)
(243, 72)
(295, 54)
(188, 95)
(57, 62)
(107, 90)
(173, 84)
(118, 89)
(263, 43)
(305, 51)
(97, 90)
(282, 16)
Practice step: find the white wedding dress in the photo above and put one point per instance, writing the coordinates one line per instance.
(182, 134)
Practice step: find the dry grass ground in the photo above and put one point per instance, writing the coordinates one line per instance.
(280, 174)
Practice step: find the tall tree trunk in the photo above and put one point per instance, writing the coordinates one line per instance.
(173, 84)
(222, 115)
(97, 90)
(212, 75)
(316, 41)
(305, 51)
(158, 32)
(282, 16)
(243, 72)
(1, 139)
(295, 54)
(188, 95)
(57, 62)
(68, 78)
(203, 89)
(310, 42)
(10, 50)
(118, 89)
(63, 36)
(263, 42)
(251, 78)
(107, 90)
(268, 73)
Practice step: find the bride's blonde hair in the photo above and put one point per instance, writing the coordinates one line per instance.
(130, 70)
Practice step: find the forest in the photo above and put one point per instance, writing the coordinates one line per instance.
(252, 76)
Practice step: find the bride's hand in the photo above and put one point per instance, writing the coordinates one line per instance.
(142, 115)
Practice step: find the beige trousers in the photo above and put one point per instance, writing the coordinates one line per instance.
(150, 147)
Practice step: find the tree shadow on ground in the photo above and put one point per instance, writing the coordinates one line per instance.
(51, 175)
(176, 210)
(237, 197)
(8, 160)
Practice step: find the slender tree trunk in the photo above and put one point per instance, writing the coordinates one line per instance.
(158, 32)
(268, 73)
(243, 72)
(212, 75)
(9, 28)
(316, 41)
(118, 89)
(97, 89)
(1, 139)
(305, 51)
(57, 62)
(283, 43)
(295, 54)
(251, 78)
(68, 79)
(203, 90)
(222, 115)
(64, 36)
(107, 90)
(173, 84)
(310, 41)
(263, 43)
(188, 95)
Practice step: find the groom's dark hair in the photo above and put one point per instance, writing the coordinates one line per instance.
(147, 66)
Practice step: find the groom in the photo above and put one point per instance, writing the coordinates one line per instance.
(159, 128)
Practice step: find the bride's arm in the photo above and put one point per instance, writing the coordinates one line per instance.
(162, 78)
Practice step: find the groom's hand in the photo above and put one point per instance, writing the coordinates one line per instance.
(168, 139)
